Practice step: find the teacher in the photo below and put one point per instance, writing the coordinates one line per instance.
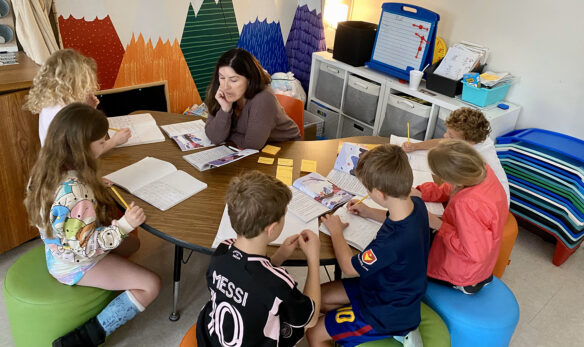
(242, 106)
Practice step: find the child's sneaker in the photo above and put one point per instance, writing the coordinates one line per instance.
(413, 339)
(89, 334)
(475, 288)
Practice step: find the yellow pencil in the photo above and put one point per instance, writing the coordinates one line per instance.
(114, 129)
(119, 197)
(358, 202)
(408, 131)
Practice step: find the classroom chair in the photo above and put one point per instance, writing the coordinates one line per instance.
(39, 308)
(294, 108)
(510, 231)
(485, 319)
(433, 330)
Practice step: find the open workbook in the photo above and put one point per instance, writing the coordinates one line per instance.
(360, 231)
(142, 126)
(215, 157)
(188, 135)
(322, 190)
(157, 182)
(292, 226)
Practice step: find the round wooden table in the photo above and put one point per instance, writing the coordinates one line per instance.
(193, 223)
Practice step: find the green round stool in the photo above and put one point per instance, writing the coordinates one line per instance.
(40, 308)
(433, 330)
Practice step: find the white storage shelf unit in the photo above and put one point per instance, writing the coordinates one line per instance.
(338, 91)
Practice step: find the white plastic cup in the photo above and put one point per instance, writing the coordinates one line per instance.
(415, 79)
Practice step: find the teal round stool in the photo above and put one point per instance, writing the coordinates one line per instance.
(40, 308)
(433, 330)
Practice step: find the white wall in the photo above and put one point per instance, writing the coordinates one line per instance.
(540, 41)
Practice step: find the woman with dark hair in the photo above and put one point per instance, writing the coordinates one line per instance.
(242, 106)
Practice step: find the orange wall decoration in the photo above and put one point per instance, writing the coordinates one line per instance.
(144, 63)
(97, 39)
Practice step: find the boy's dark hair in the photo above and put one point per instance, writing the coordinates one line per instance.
(254, 201)
(472, 123)
(386, 168)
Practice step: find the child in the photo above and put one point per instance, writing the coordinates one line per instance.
(466, 246)
(471, 126)
(254, 302)
(383, 300)
(72, 208)
(66, 77)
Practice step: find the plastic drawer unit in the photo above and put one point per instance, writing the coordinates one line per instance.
(330, 117)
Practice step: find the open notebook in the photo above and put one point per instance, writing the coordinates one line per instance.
(157, 182)
(418, 159)
(188, 135)
(360, 231)
(292, 226)
(143, 127)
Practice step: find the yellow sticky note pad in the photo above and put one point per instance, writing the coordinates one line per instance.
(265, 160)
(308, 165)
(284, 174)
(271, 149)
(285, 162)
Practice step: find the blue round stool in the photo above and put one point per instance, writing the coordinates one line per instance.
(487, 318)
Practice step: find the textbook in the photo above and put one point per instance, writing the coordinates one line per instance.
(305, 207)
(188, 135)
(322, 190)
(360, 231)
(215, 157)
(143, 127)
(343, 173)
(157, 182)
(292, 226)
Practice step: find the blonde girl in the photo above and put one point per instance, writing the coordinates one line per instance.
(66, 77)
(72, 208)
(466, 244)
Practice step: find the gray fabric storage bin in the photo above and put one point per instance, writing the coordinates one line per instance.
(361, 99)
(440, 127)
(329, 84)
(353, 128)
(401, 110)
(330, 117)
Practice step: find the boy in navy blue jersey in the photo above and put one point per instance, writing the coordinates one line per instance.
(383, 299)
(255, 302)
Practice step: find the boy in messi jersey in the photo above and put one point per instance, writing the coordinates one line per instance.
(254, 302)
(382, 299)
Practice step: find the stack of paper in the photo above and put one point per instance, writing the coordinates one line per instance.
(460, 59)
(492, 79)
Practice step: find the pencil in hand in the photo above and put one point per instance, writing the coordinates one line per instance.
(114, 129)
(408, 131)
(360, 201)
(119, 197)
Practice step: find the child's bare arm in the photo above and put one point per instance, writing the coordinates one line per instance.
(310, 245)
(428, 144)
(342, 250)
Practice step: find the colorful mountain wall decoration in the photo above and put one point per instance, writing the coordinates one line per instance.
(144, 63)
(206, 36)
(264, 40)
(96, 39)
(306, 36)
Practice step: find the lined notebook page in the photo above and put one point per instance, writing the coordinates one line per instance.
(401, 41)
(142, 126)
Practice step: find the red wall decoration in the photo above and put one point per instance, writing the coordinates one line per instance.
(96, 39)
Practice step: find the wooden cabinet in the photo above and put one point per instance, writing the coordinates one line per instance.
(19, 146)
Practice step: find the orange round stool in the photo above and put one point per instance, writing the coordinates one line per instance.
(509, 236)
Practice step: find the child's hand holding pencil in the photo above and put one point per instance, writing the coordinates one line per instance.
(356, 207)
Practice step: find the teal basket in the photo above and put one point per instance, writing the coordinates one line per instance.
(483, 96)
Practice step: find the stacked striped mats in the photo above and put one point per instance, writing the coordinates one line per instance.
(546, 179)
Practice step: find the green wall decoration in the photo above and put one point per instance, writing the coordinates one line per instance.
(207, 35)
